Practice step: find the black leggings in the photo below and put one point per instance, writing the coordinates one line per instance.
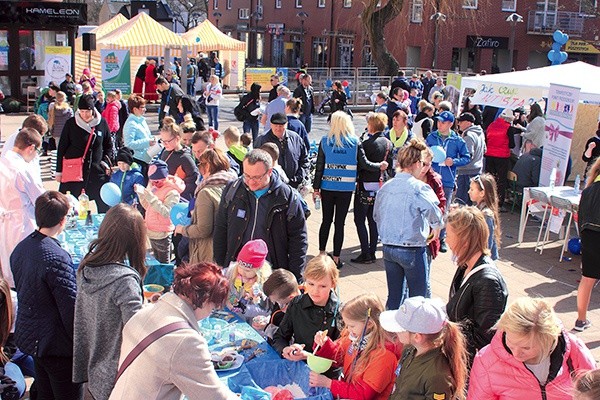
(499, 168)
(334, 204)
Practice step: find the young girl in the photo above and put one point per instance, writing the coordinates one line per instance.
(315, 310)
(587, 385)
(362, 351)
(484, 195)
(162, 193)
(111, 115)
(434, 361)
(246, 277)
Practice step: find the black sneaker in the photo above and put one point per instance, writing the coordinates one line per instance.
(443, 246)
(373, 257)
(363, 259)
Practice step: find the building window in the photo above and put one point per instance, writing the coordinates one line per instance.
(216, 4)
(347, 3)
(345, 52)
(298, 3)
(472, 4)
(509, 5)
(319, 53)
(244, 13)
(588, 7)
(277, 3)
(228, 5)
(416, 11)
(367, 56)
(321, 4)
(278, 51)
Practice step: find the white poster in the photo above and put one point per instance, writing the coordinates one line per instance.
(57, 64)
(560, 121)
(502, 95)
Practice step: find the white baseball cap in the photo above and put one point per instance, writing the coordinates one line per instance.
(417, 315)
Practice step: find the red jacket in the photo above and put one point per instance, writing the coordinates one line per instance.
(496, 138)
(111, 115)
(497, 375)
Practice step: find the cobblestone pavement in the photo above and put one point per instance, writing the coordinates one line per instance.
(527, 273)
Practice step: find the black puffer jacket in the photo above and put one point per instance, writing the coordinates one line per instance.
(478, 303)
(46, 290)
(375, 147)
(277, 218)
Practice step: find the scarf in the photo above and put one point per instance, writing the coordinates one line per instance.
(358, 346)
(87, 126)
(217, 179)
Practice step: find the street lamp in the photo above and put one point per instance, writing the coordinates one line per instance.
(255, 16)
(512, 19)
(217, 15)
(436, 18)
(303, 16)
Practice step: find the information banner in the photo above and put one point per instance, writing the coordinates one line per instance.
(116, 70)
(57, 64)
(262, 76)
(560, 121)
(503, 95)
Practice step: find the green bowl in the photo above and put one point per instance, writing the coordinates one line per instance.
(318, 364)
(150, 290)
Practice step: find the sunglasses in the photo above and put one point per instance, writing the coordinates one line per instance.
(477, 179)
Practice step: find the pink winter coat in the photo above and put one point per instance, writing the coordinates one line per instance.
(158, 203)
(111, 115)
(497, 375)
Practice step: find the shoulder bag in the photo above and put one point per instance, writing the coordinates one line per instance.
(366, 195)
(72, 168)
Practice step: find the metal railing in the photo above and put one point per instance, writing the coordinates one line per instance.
(545, 23)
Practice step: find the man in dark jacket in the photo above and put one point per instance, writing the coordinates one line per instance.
(528, 168)
(293, 155)
(260, 206)
(275, 83)
(68, 87)
(171, 93)
(305, 92)
(401, 82)
(46, 291)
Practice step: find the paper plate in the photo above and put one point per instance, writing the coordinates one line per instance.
(239, 360)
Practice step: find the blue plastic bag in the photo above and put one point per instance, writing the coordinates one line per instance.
(258, 374)
(160, 274)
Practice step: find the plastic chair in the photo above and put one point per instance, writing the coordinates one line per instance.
(560, 203)
(541, 197)
(512, 191)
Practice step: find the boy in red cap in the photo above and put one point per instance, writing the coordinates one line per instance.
(246, 277)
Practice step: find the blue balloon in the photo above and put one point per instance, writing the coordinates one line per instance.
(179, 214)
(556, 46)
(110, 193)
(439, 154)
(557, 35)
(564, 39)
(551, 55)
(575, 246)
(563, 56)
(328, 83)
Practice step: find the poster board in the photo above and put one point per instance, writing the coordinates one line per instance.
(57, 63)
(116, 70)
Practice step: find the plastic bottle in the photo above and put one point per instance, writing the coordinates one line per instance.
(84, 205)
(318, 203)
(553, 178)
(577, 183)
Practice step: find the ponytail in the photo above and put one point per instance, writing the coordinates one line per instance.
(455, 350)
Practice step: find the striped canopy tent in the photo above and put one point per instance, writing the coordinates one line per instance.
(206, 37)
(109, 26)
(142, 36)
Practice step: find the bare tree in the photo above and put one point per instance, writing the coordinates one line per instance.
(93, 11)
(189, 12)
(374, 19)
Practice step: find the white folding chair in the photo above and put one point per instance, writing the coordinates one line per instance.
(540, 196)
(560, 203)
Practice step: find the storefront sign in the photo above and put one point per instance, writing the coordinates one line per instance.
(487, 42)
(44, 13)
(262, 76)
(504, 95)
(560, 121)
(580, 46)
(116, 70)
(57, 64)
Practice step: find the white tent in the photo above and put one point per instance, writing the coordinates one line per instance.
(514, 89)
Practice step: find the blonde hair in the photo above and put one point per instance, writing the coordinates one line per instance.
(188, 125)
(111, 95)
(232, 134)
(320, 267)
(357, 310)
(262, 273)
(532, 317)
(169, 125)
(587, 385)
(377, 121)
(341, 127)
(490, 201)
(411, 153)
(469, 225)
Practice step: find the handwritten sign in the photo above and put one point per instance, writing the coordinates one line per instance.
(505, 95)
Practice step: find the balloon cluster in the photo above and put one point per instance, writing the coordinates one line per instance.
(556, 56)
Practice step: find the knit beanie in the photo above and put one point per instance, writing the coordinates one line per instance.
(125, 154)
(158, 170)
(253, 254)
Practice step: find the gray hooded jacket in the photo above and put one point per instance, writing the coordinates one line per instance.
(475, 141)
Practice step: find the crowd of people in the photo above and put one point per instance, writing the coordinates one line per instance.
(246, 244)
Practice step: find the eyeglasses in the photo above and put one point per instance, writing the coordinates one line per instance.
(167, 141)
(426, 164)
(477, 179)
(39, 150)
(254, 178)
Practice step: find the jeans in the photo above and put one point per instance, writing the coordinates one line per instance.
(53, 377)
(306, 119)
(190, 86)
(368, 241)
(463, 183)
(448, 193)
(162, 249)
(251, 125)
(407, 274)
(213, 116)
(334, 203)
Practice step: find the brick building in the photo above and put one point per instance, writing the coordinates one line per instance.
(471, 34)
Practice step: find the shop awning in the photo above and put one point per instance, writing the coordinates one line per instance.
(143, 36)
(109, 26)
(207, 37)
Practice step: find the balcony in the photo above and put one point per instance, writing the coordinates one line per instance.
(545, 23)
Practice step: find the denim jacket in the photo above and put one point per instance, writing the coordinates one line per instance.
(405, 208)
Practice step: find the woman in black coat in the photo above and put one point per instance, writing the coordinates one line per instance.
(96, 165)
(248, 104)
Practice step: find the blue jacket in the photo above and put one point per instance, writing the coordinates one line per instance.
(46, 291)
(293, 154)
(294, 124)
(455, 148)
(137, 135)
(340, 169)
(126, 180)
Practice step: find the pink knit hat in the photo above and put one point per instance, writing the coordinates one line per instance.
(253, 254)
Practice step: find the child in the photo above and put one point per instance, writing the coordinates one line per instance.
(362, 351)
(235, 151)
(246, 140)
(162, 193)
(111, 115)
(127, 175)
(587, 385)
(315, 310)
(484, 195)
(434, 360)
(188, 128)
(281, 287)
(246, 278)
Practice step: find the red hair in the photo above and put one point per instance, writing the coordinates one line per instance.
(200, 283)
